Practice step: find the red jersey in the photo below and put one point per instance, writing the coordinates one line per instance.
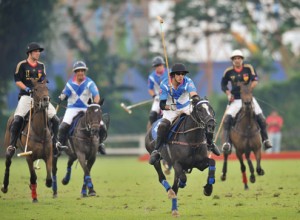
(274, 123)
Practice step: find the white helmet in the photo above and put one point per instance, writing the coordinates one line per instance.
(79, 65)
(236, 53)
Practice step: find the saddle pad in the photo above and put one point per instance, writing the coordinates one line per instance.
(75, 122)
(173, 129)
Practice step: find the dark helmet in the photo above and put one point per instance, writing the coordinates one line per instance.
(79, 65)
(157, 61)
(33, 46)
(178, 68)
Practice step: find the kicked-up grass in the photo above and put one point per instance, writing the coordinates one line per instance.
(129, 189)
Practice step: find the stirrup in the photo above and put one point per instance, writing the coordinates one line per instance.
(101, 149)
(267, 144)
(226, 147)
(60, 147)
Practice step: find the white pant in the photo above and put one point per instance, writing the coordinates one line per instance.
(236, 105)
(24, 105)
(275, 139)
(155, 106)
(171, 115)
(71, 113)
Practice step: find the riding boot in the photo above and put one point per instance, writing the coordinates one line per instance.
(211, 145)
(162, 132)
(15, 131)
(153, 117)
(55, 125)
(226, 131)
(62, 136)
(102, 137)
(263, 131)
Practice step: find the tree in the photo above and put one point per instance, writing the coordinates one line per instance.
(21, 22)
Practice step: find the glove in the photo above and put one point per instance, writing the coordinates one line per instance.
(156, 97)
(62, 97)
(27, 89)
(173, 107)
(230, 98)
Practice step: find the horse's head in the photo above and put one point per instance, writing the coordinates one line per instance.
(40, 94)
(93, 118)
(246, 94)
(205, 114)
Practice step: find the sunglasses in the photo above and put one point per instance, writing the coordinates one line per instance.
(178, 74)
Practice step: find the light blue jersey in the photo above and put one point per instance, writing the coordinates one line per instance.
(180, 95)
(78, 95)
(155, 79)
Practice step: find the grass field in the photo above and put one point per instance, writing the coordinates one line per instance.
(128, 189)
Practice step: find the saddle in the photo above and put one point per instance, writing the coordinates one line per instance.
(75, 122)
(174, 126)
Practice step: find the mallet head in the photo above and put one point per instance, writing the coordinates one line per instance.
(125, 108)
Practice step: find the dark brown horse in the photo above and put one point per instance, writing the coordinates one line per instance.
(245, 137)
(186, 149)
(83, 145)
(36, 134)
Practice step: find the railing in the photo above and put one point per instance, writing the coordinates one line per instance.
(125, 144)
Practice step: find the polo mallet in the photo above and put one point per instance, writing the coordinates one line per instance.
(221, 124)
(26, 153)
(161, 21)
(219, 129)
(36, 166)
(128, 108)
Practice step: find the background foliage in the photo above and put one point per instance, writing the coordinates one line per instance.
(108, 67)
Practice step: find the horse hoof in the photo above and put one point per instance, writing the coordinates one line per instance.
(92, 193)
(175, 213)
(207, 190)
(34, 200)
(49, 183)
(252, 179)
(64, 182)
(246, 187)
(4, 190)
(261, 172)
(83, 195)
(54, 196)
(223, 178)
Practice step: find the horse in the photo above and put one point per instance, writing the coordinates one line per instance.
(35, 136)
(82, 145)
(186, 149)
(245, 137)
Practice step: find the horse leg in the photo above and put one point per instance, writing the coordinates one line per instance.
(4, 188)
(49, 169)
(259, 170)
(88, 179)
(67, 177)
(33, 178)
(179, 181)
(208, 188)
(243, 170)
(54, 177)
(224, 169)
(251, 168)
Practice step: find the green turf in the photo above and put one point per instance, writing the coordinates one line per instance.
(128, 189)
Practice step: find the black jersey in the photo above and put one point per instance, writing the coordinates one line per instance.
(246, 75)
(25, 72)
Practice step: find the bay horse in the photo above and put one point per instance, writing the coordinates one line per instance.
(186, 149)
(245, 137)
(35, 136)
(82, 145)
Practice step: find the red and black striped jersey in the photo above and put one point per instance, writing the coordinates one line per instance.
(246, 74)
(25, 72)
